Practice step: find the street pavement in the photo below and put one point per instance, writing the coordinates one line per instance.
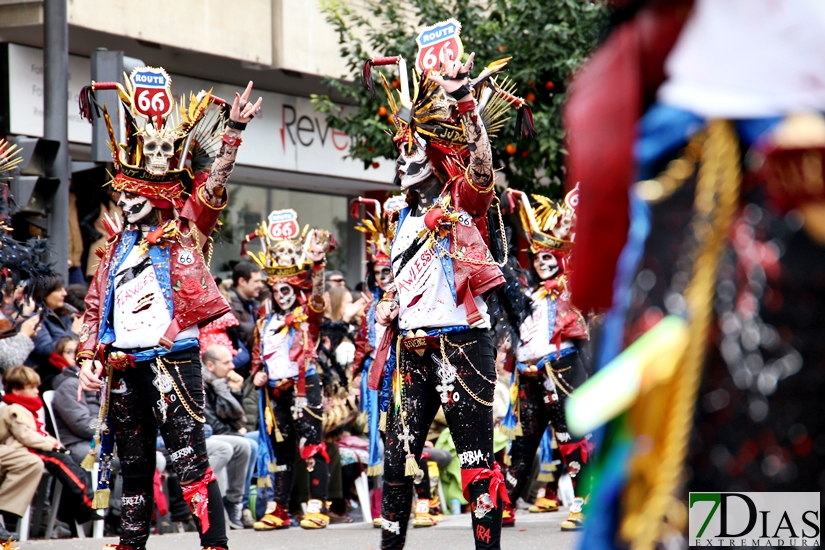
(532, 532)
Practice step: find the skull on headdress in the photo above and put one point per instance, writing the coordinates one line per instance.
(158, 149)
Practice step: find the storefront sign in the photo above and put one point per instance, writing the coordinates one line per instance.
(288, 134)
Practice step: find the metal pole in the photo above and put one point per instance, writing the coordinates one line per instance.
(56, 124)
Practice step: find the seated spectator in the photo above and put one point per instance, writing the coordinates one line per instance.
(57, 321)
(22, 427)
(16, 342)
(72, 417)
(223, 409)
(20, 473)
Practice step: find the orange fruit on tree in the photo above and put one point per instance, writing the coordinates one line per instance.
(382, 111)
(511, 149)
(549, 85)
(531, 97)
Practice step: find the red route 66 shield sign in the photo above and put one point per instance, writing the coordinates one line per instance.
(152, 92)
(436, 42)
(283, 224)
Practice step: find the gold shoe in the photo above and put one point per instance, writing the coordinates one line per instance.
(314, 518)
(575, 520)
(275, 517)
(422, 514)
(544, 502)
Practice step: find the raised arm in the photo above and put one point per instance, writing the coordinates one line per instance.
(477, 197)
(240, 114)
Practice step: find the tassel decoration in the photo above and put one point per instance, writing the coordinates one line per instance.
(382, 422)
(411, 466)
(101, 499)
(525, 128)
(278, 437)
(376, 470)
(88, 462)
(264, 482)
(366, 78)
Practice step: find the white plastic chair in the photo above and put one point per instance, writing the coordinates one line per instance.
(97, 527)
(362, 487)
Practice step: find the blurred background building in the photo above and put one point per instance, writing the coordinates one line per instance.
(291, 158)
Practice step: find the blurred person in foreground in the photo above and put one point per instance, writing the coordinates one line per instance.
(715, 150)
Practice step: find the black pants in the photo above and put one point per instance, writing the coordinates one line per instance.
(143, 401)
(425, 380)
(77, 494)
(541, 406)
(295, 426)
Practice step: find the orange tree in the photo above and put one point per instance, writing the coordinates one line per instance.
(548, 40)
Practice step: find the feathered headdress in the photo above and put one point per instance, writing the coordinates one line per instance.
(19, 261)
(376, 226)
(283, 249)
(165, 142)
(427, 110)
(549, 225)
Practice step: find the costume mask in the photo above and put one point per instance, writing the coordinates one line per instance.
(286, 253)
(413, 165)
(135, 208)
(157, 151)
(565, 225)
(383, 277)
(284, 296)
(546, 265)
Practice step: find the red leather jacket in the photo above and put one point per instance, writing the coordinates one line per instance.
(196, 299)
(474, 272)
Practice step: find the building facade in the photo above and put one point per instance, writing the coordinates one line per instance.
(291, 158)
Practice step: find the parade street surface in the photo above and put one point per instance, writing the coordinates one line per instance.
(532, 532)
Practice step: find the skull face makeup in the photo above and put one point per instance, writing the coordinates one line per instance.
(135, 208)
(546, 265)
(284, 296)
(413, 164)
(383, 276)
(157, 151)
(286, 253)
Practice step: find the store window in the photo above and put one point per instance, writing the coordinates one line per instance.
(249, 205)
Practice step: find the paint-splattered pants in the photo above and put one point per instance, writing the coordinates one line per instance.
(304, 427)
(428, 382)
(541, 400)
(143, 401)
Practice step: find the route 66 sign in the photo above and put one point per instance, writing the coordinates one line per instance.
(571, 201)
(283, 224)
(436, 42)
(152, 95)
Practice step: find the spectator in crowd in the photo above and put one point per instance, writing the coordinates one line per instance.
(335, 278)
(16, 339)
(22, 426)
(246, 287)
(76, 297)
(57, 321)
(72, 417)
(224, 413)
(20, 473)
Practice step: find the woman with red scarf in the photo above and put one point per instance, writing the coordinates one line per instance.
(22, 425)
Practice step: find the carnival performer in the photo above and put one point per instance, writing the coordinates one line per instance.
(443, 355)
(152, 290)
(548, 366)
(284, 367)
(370, 332)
